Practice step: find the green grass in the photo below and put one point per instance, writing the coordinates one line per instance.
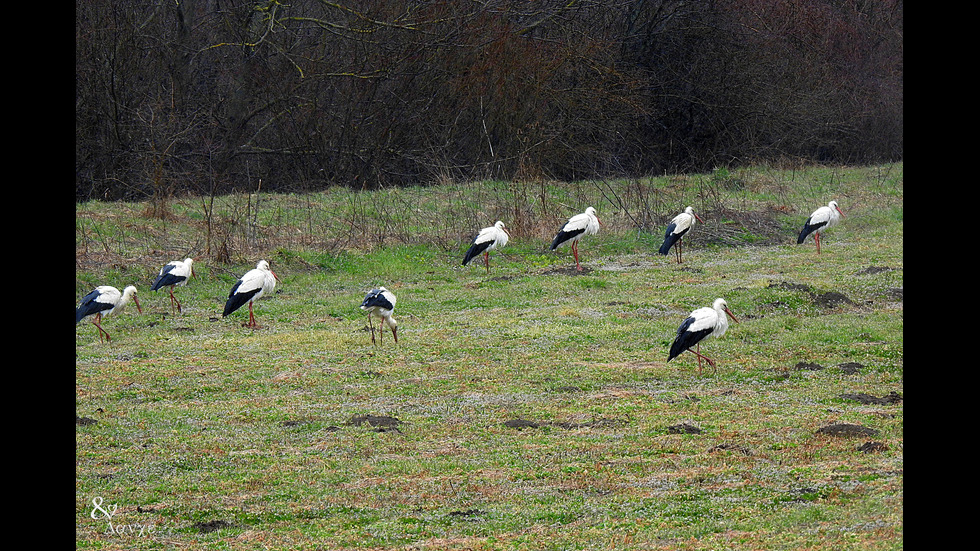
(203, 423)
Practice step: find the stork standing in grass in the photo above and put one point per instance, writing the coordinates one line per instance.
(103, 301)
(256, 283)
(586, 223)
(821, 219)
(701, 324)
(380, 302)
(174, 274)
(678, 227)
(488, 239)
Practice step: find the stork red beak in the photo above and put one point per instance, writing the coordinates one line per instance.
(275, 276)
(137, 301)
(731, 315)
(840, 211)
(699, 218)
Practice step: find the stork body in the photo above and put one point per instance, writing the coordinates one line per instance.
(493, 237)
(678, 227)
(103, 301)
(701, 324)
(252, 286)
(577, 226)
(380, 302)
(820, 220)
(174, 274)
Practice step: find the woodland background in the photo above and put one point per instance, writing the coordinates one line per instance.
(219, 96)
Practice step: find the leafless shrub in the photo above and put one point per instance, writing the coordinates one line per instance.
(209, 98)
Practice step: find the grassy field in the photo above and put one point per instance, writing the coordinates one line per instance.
(528, 408)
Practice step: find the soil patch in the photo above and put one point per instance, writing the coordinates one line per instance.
(847, 430)
(891, 398)
(383, 423)
(212, 526)
(850, 367)
(684, 428)
(831, 299)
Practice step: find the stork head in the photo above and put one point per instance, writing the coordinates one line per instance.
(591, 212)
(833, 205)
(690, 211)
(130, 292)
(723, 306)
(264, 265)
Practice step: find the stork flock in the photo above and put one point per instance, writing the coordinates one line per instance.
(106, 299)
(701, 324)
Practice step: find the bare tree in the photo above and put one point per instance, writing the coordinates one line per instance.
(208, 97)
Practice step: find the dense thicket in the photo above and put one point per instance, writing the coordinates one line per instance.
(210, 96)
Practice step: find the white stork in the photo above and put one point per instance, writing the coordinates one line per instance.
(488, 239)
(821, 219)
(174, 274)
(103, 301)
(678, 227)
(586, 223)
(701, 324)
(253, 285)
(381, 302)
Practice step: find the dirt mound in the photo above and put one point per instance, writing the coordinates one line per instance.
(683, 428)
(891, 398)
(847, 430)
(382, 423)
(212, 526)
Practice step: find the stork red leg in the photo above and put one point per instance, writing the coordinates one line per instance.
(486, 260)
(251, 316)
(174, 303)
(575, 252)
(817, 238)
(371, 325)
(96, 322)
(700, 356)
